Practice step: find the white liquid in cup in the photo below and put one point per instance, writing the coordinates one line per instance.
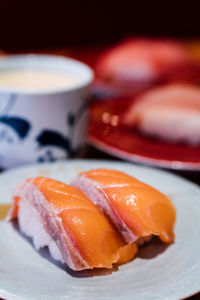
(39, 80)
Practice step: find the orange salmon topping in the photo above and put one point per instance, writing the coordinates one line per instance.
(94, 237)
(143, 208)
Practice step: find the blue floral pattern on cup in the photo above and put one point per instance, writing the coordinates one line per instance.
(48, 138)
(20, 126)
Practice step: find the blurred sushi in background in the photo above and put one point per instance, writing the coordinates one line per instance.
(170, 113)
(137, 64)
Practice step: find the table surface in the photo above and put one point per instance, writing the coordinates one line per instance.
(92, 153)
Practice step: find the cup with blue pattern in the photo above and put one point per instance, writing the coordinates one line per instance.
(42, 122)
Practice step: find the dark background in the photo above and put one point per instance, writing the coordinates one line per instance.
(34, 25)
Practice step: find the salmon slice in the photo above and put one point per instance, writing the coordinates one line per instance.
(137, 209)
(170, 112)
(64, 219)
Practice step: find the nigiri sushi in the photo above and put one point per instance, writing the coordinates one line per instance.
(147, 61)
(171, 112)
(138, 210)
(61, 217)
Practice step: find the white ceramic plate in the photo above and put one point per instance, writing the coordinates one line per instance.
(158, 272)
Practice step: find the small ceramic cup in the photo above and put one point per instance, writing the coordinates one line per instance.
(43, 125)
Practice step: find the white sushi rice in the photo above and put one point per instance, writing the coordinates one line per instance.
(30, 224)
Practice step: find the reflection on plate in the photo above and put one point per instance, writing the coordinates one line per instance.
(158, 272)
(106, 134)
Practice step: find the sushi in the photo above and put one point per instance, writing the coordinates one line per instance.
(146, 62)
(98, 221)
(61, 217)
(170, 112)
(138, 210)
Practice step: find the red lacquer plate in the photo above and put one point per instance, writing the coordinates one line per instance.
(106, 134)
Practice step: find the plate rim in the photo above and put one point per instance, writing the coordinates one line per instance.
(132, 157)
(106, 161)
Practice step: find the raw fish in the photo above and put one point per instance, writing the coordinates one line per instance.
(61, 217)
(137, 209)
